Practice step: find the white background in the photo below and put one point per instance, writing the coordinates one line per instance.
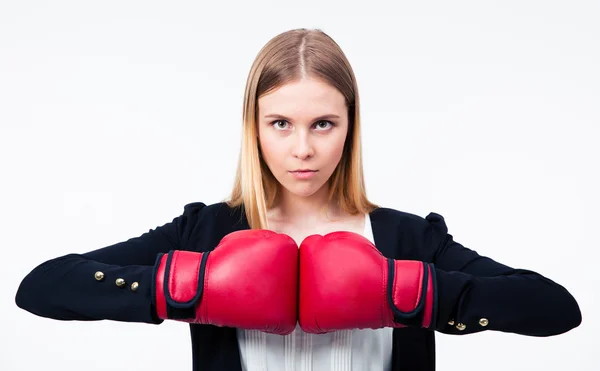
(115, 114)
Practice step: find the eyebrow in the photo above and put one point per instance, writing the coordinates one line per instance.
(323, 117)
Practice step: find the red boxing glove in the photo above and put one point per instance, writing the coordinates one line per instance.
(249, 281)
(346, 283)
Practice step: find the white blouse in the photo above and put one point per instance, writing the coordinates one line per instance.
(347, 350)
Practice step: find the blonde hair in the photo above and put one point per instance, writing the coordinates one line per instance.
(285, 58)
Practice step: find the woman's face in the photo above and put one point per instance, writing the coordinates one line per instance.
(302, 128)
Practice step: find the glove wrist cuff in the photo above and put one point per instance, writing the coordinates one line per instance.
(412, 293)
(178, 284)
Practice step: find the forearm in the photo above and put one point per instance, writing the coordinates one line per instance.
(67, 288)
(520, 301)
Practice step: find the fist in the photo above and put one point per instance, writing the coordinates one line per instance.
(248, 281)
(346, 283)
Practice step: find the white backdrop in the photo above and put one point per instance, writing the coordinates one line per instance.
(114, 114)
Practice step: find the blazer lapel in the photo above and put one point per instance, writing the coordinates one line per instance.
(385, 236)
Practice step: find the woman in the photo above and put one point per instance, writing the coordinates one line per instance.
(298, 269)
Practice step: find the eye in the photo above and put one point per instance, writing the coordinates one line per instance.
(279, 124)
(324, 124)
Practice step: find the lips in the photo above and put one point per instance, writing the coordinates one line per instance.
(303, 173)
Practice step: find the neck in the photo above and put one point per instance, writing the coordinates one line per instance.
(304, 210)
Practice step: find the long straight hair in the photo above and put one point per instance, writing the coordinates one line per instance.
(287, 57)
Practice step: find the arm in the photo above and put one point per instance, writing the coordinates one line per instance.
(346, 282)
(475, 293)
(84, 286)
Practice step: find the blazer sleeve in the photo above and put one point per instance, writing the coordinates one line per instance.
(110, 283)
(476, 293)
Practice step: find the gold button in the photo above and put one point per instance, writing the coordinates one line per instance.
(99, 276)
(461, 326)
(451, 322)
(484, 322)
(120, 282)
(134, 286)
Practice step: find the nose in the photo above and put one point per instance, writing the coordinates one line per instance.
(303, 146)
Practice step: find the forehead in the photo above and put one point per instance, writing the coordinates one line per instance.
(303, 96)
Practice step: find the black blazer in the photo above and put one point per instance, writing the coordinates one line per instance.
(475, 293)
